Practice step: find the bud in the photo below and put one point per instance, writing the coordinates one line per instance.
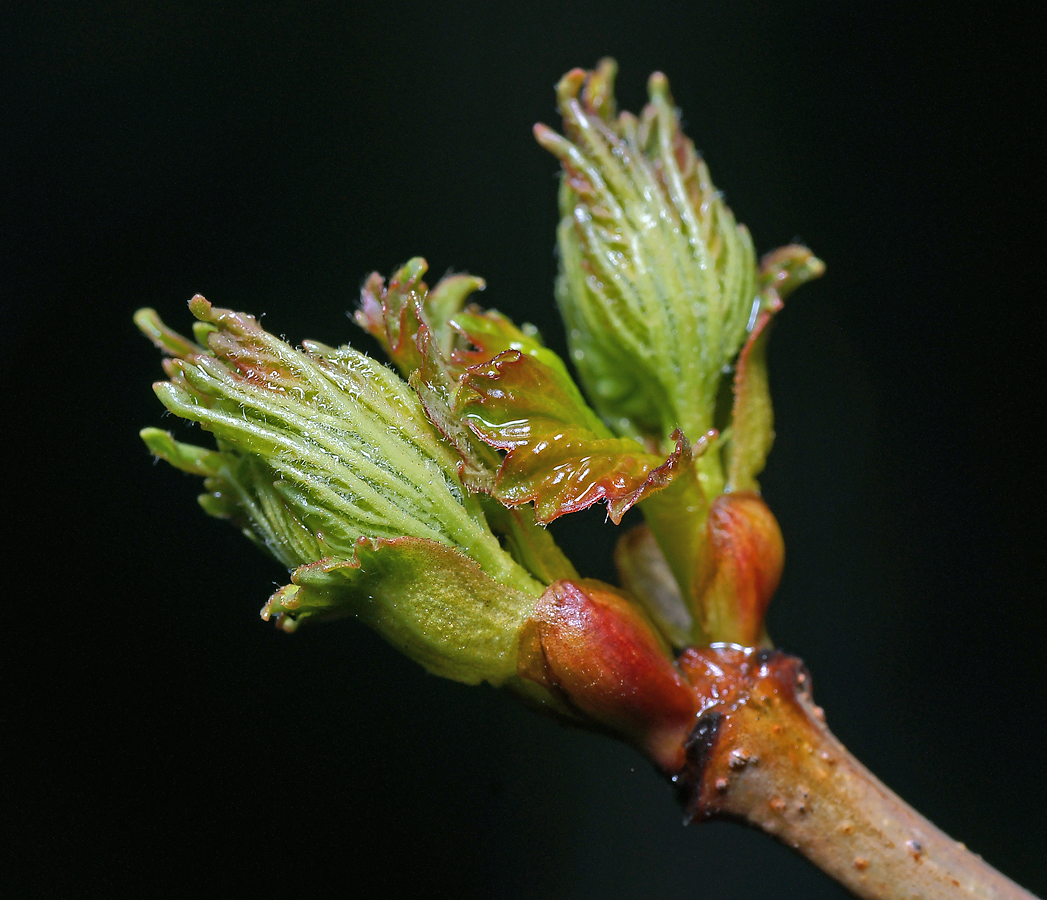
(326, 458)
(597, 651)
(658, 282)
(663, 300)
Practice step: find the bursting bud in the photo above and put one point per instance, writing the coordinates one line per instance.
(595, 650)
(668, 314)
(326, 459)
(658, 282)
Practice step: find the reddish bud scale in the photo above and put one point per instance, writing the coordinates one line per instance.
(594, 648)
(747, 555)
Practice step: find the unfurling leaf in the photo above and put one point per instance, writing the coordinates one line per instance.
(752, 417)
(657, 281)
(560, 454)
(316, 447)
(434, 340)
(785, 269)
(393, 315)
(665, 306)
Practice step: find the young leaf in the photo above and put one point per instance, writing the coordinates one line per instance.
(316, 447)
(433, 340)
(752, 418)
(657, 280)
(436, 382)
(786, 268)
(560, 455)
(393, 315)
(445, 340)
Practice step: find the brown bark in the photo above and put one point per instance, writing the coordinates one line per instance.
(761, 753)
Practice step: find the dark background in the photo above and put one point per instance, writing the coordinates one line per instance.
(161, 737)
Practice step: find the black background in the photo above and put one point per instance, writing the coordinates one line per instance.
(269, 157)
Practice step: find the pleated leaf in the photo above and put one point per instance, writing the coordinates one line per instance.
(657, 280)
